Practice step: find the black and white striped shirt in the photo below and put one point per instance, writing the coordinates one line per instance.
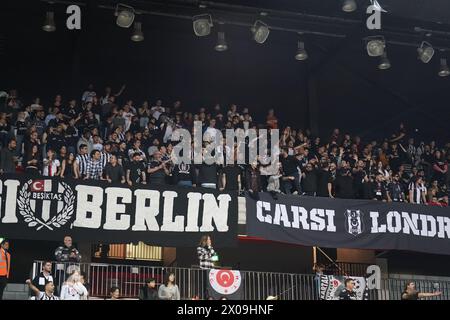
(45, 296)
(417, 190)
(105, 157)
(82, 161)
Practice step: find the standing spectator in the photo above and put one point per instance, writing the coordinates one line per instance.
(51, 165)
(73, 289)
(205, 253)
(309, 180)
(184, 175)
(169, 290)
(86, 140)
(231, 178)
(33, 162)
(207, 176)
(440, 168)
(136, 171)
(94, 170)
(157, 169)
(44, 277)
(344, 183)
(324, 181)
(88, 95)
(47, 294)
(149, 291)
(20, 132)
(291, 178)
(67, 253)
(68, 167)
(114, 171)
(417, 191)
(411, 293)
(253, 178)
(348, 293)
(7, 158)
(396, 190)
(5, 265)
(81, 162)
(271, 120)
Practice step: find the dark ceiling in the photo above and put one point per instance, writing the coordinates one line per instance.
(338, 80)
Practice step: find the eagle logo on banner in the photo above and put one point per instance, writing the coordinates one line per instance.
(225, 282)
(41, 196)
(354, 224)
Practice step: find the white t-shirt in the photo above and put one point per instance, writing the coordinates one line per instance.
(53, 167)
(73, 292)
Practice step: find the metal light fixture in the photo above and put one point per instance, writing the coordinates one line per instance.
(260, 31)
(221, 42)
(125, 15)
(202, 25)
(443, 70)
(375, 46)
(349, 5)
(425, 52)
(137, 35)
(49, 23)
(301, 52)
(384, 62)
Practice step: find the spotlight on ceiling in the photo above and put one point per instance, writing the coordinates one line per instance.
(425, 52)
(384, 62)
(49, 23)
(443, 70)
(125, 15)
(137, 35)
(349, 5)
(260, 31)
(202, 25)
(301, 52)
(221, 42)
(375, 46)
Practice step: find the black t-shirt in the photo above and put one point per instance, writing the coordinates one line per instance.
(184, 172)
(136, 169)
(207, 173)
(309, 181)
(347, 295)
(289, 165)
(324, 177)
(344, 187)
(157, 177)
(231, 174)
(412, 296)
(115, 173)
(21, 128)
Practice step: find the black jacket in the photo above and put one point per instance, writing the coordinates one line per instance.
(146, 293)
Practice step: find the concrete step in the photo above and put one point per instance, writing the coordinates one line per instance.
(16, 291)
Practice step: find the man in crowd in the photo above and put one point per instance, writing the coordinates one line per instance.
(114, 171)
(81, 162)
(47, 294)
(136, 171)
(8, 158)
(348, 292)
(157, 169)
(67, 252)
(94, 170)
(44, 276)
(5, 265)
(149, 291)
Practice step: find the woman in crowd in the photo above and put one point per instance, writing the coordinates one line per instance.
(411, 293)
(68, 167)
(169, 290)
(114, 293)
(73, 289)
(33, 162)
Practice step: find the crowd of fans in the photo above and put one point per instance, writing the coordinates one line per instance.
(98, 138)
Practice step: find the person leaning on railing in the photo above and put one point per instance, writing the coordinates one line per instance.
(206, 253)
(67, 253)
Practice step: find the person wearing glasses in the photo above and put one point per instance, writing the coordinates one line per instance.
(395, 189)
(348, 293)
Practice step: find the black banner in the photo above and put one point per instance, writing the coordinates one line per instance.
(97, 211)
(338, 223)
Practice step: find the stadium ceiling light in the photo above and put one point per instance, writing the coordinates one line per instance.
(301, 52)
(376, 46)
(137, 35)
(349, 5)
(221, 42)
(125, 15)
(425, 52)
(49, 23)
(260, 31)
(202, 25)
(384, 62)
(443, 70)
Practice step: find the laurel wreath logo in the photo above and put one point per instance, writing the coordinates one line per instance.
(57, 221)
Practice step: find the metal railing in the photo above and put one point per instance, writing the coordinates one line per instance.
(192, 282)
